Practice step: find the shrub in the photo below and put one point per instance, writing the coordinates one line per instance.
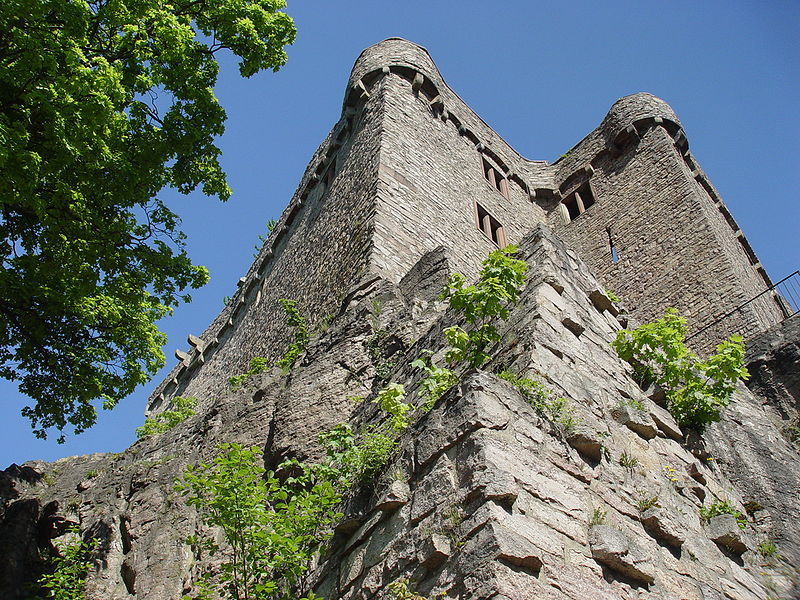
(273, 527)
(390, 401)
(722, 507)
(696, 390)
(65, 579)
(489, 298)
(166, 420)
(436, 382)
(258, 365)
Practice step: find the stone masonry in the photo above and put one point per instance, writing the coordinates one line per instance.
(485, 499)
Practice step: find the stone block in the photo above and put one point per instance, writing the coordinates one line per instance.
(664, 526)
(433, 551)
(725, 531)
(396, 495)
(638, 421)
(665, 422)
(612, 548)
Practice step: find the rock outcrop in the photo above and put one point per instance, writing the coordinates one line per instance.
(486, 498)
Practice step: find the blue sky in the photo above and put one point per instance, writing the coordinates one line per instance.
(542, 74)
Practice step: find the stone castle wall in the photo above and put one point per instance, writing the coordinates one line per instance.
(318, 250)
(410, 157)
(676, 244)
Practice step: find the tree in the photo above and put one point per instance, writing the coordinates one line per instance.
(103, 104)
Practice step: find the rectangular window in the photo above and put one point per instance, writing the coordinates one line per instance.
(490, 227)
(495, 178)
(578, 202)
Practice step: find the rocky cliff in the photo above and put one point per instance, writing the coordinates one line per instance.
(485, 498)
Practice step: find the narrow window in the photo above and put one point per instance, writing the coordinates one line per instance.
(490, 227)
(495, 178)
(579, 201)
(612, 247)
(330, 175)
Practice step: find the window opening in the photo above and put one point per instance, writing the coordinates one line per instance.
(490, 227)
(579, 201)
(495, 178)
(614, 255)
(330, 175)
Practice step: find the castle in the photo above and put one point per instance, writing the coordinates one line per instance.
(485, 498)
(410, 167)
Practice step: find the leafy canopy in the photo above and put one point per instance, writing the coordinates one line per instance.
(103, 103)
(696, 389)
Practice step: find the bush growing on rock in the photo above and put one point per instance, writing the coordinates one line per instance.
(696, 389)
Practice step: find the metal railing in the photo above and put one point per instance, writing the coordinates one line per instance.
(786, 294)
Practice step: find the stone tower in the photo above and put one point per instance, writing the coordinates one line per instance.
(485, 497)
(409, 167)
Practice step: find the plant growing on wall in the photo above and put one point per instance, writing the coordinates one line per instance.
(68, 569)
(436, 382)
(696, 389)
(258, 364)
(164, 421)
(273, 527)
(488, 299)
(301, 335)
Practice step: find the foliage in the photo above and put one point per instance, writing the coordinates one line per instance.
(612, 296)
(535, 392)
(400, 590)
(647, 503)
(768, 549)
(263, 238)
(357, 458)
(65, 579)
(696, 390)
(390, 401)
(378, 354)
(166, 420)
(598, 517)
(273, 527)
(634, 403)
(301, 335)
(489, 298)
(102, 105)
(722, 507)
(544, 401)
(628, 460)
(258, 364)
(436, 382)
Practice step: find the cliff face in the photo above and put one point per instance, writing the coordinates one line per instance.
(486, 498)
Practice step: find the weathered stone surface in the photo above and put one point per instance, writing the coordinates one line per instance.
(636, 420)
(612, 548)
(725, 531)
(665, 526)
(488, 496)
